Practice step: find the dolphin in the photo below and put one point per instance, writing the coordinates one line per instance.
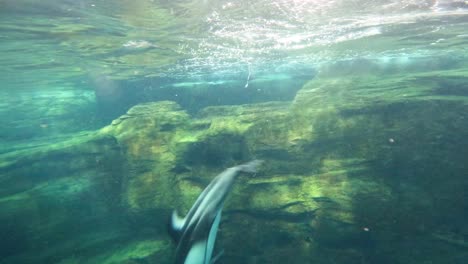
(195, 234)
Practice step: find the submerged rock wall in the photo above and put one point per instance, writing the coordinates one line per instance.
(357, 170)
(353, 172)
(57, 198)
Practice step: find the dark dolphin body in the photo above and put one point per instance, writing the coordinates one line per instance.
(196, 233)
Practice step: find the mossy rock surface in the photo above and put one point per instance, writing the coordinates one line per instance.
(350, 174)
(53, 193)
(329, 181)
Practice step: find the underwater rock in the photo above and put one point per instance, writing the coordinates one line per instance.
(56, 191)
(148, 135)
(402, 132)
(358, 169)
(332, 177)
(182, 153)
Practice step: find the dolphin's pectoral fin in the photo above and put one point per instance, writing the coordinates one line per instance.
(196, 254)
(176, 226)
(212, 236)
(213, 260)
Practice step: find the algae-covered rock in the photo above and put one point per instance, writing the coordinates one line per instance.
(53, 193)
(357, 169)
(344, 167)
(404, 133)
(148, 135)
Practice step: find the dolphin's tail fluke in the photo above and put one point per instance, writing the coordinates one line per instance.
(250, 167)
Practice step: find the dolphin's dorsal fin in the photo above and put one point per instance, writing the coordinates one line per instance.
(176, 225)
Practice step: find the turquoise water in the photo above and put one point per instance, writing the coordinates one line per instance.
(116, 112)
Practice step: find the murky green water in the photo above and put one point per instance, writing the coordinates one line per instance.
(113, 113)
